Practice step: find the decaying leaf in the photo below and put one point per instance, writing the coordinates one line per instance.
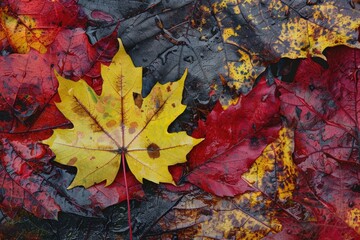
(35, 24)
(274, 172)
(30, 182)
(247, 216)
(234, 139)
(120, 122)
(230, 39)
(203, 216)
(324, 103)
(265, 31)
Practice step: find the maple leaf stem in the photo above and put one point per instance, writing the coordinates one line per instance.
(127, 194)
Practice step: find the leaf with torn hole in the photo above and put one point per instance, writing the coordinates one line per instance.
(120, 123)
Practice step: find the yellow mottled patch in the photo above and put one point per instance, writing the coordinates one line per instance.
(228, 32)
(236, 10)
(270, 30)
(243, 69)
(353, 219)
(312, 36)
(116, 122)
(275, 168)
(22, 33)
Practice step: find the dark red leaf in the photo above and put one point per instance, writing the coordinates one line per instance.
(323, 105)
(76, 58)
(28, 90)
(234, 138)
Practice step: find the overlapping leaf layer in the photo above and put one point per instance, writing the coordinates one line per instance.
(280, 155)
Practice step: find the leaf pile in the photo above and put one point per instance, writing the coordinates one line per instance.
(308, 172)
(225, 44)
(279, 157)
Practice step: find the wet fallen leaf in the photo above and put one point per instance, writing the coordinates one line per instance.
(27, 181)
(294, 182)
(203, 216)
(247, 216)
(77, 59)
(120, 122)
(34, 25)
(28, 89)
(233, 40)
(234, 139)
(274, 172)
(265, 31)
(324, 104)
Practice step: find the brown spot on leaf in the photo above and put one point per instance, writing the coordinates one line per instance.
(173, 105)
(111, 123)
(138, 100)
(95, 127)
(133, 127)
(72, 161)
(168, 88)
(78, 108)
(153, 150)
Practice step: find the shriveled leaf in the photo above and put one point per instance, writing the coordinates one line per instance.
(234, 139)
(35, 24)
(120, 122)
(324, 105)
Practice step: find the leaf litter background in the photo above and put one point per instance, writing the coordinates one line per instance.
(298, 177)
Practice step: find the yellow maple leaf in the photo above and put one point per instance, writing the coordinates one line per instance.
(120, 123)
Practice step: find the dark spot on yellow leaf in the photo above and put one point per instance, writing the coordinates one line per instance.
(78, 108)
(153, 150)
(133, 127)
(173, 105)
(111, 123)
(72, 161)
(138, 100)
(168, 88)
(95, 127)
(92, 158)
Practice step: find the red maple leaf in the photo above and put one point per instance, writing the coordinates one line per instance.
(323, 104)
(234, 138)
